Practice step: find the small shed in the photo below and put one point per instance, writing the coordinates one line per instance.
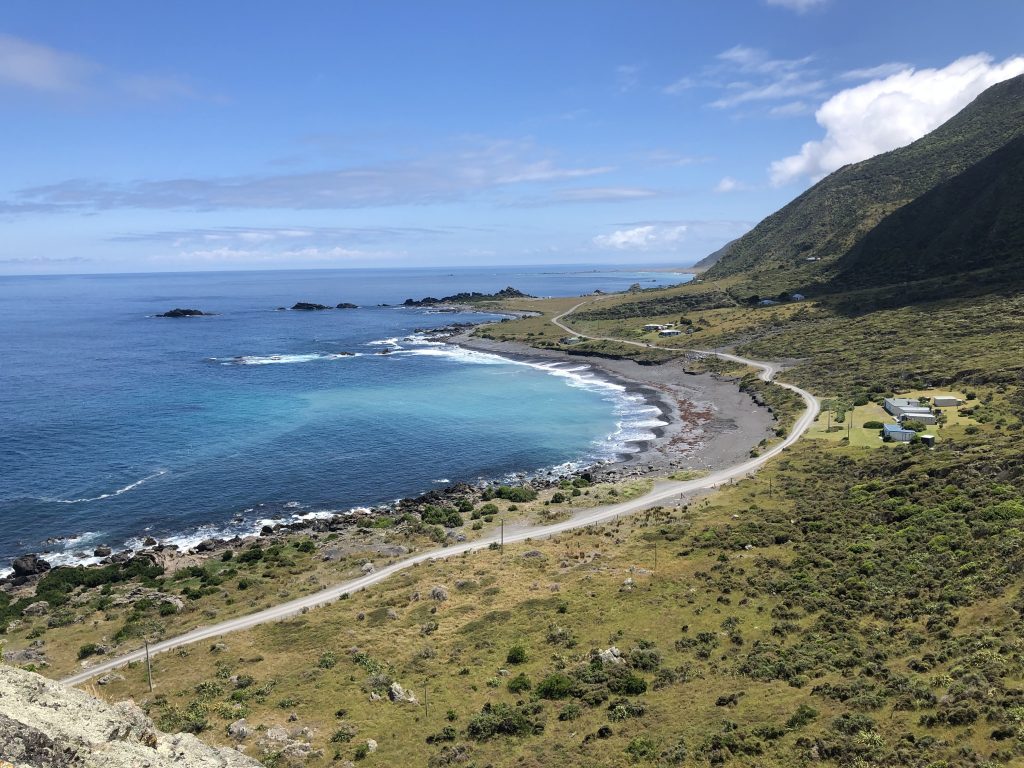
(897, 433)
(653, 327)
(946, 401)
(928, 440)
(797, 297)
(669, 332)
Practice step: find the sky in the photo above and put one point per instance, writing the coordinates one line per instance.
(143, 137)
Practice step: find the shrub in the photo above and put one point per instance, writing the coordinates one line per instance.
(570, 711)
(252, 555)
(361, 751)
(504, 719)
(517, 655)
(558, 498)
(803, 715)
(87, 650)
(518, 493)
(344, 734)
(519, 683)
(641, 748)
(445, 734)
(872, 425)
(556, 686)
(327, 660)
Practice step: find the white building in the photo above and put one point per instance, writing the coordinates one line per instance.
(669, 332)
(946, 401)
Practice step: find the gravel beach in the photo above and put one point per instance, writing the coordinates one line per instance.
(710, 423)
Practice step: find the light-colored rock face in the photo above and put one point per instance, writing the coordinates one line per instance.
(44, 724)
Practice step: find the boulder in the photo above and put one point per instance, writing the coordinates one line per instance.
(399, 694)
(347, 305)
(207, 545)
(611, 655)
(109, 678)
(371, 746)
(308, 306)
(239, 730)
(102, 551)
(30, 565)
(38, 608)
(149, 541)
(367, 568)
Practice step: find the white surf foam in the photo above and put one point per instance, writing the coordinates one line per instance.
(281, 359)
(118, 492)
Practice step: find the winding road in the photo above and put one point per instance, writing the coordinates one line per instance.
(663, 491)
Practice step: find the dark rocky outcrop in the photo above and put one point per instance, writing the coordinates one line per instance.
(30, 565)
(179, 312)
(308, 306)
(347, 305)
(471, 297)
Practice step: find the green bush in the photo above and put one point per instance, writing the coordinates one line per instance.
(872, 425)
(558, 498)
(506, 720)
(519, 683)
(517, 654)
(518, 493)
(557, 686)
(87, 650)
(641, 748)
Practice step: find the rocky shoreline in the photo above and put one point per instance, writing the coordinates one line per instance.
(709, 424)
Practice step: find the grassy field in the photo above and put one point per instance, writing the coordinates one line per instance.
(815, 617)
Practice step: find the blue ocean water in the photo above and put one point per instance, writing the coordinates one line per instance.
(116, 424)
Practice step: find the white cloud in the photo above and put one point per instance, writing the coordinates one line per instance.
(791, 109)
(729, 184)
(37, 67)
(642, 238)
(891, 112)
(800, 6)
(873, 73)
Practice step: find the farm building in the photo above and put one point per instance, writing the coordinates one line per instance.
(946, 401)
(925, 417)
(902, 406)
(653, 327)
(669, 332)
(896, 433)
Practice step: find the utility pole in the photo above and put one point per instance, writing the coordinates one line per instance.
(426, 706)
(149, 667)
(769, 487)
(503, 536)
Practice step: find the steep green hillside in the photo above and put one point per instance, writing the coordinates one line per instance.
(973, 221)
(796, 245)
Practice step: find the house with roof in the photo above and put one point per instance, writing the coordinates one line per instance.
(897, 433)
(903, 406)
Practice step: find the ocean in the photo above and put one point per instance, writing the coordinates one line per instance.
(116, 424)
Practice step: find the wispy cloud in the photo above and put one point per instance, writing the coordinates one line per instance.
(800, 6)
(696, 236)
(890, 112)
(25, 64)
(266, 235)
(627, 76)
(744, 76)
(32, 66)
(477, 167)
(605, 194)
(872, 73)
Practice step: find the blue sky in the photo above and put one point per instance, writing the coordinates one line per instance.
(193, 136)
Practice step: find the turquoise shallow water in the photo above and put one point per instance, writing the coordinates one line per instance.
(117, 424)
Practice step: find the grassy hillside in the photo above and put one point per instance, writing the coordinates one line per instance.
(973, 221)
(832, 216)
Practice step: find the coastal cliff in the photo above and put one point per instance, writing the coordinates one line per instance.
(44, 724)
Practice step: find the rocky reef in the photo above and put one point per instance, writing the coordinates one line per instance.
(179, 312)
